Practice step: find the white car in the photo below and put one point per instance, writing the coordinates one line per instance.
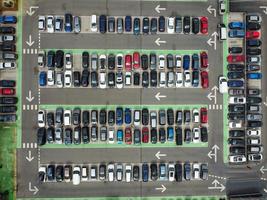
(128, 173)
(187, 78)
(58, 24)
(7, 65)
(76, 176)
(111, 169)
(196, 135)
(196, 170)
(119, 59)
(170, 25)
(119, 80)
(237, 159)
(223, 87)
(41, 118)
(111, 133)
(222, 7)
(42, 172)
(170, 79)
(102, 62)
(68, 60)
(41, 58)
(195, 115)
(179, 79)
(7, 38)
(128, 78)
(237, 100)
(162, 79)
(254, 141)
(137, 117)
(254, 132)
(84, 173)
(67, 78)
(235, 124)
(50, 24)
(171, 172)
(178, 61)
(102, 80)
(67, 117)
(93, 23)
(161, 61)
(59, 79)
(255, 157)
(50, 77)
(41, 23)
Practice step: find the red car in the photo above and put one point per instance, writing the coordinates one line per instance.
(252, 34)
(128, 62)
(145, 135)
(204, 115)
(204, 59)
(7, 91)
(204, 25)
(136, 60)
(128, 135)
(235, 58)
(204, 79)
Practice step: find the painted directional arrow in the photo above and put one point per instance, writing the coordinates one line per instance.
(264, 9)
(211, 10)
(158, 42)
(162, 188)
(33, 189)
(30, 97)
(158, 9)
(213, 153)
(217, 186)
(29, 157)
(32, 10)
(30, 42)
(262, 169)
(158, 155)
(213, 94)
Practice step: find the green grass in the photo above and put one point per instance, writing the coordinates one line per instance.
(7, 159)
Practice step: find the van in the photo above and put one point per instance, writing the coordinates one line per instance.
(162, 79)
(77, 24)
(222, 32)
(76, 177)
(93, 23)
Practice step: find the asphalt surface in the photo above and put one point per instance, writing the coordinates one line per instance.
(27, 171)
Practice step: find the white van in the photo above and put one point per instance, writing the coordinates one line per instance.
(93, 23)
(76, 177)
(162, 79)
(128, 173)
(222, 32)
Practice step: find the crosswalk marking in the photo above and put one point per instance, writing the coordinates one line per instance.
(215, 106)
(30, 51)
(30, 107)
(31, 145)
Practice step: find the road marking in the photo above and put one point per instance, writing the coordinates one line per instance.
(217, 107)
(262, 169)
(264, 9)
(213, 153)
(28, 51)
(24, 51)
(158, 155)
(30, 42)
(32, 51)
(158, 9)
(24, 107)
(219, 177)
(213, 40)
(34, 189)
(23, 145)
(36, 51)
(162, 188)
(39, 157)
(158, 96)
(221, 106)
(217, 185)
(27, 145)
(32, 10)
(213, 107)
(211, 10)
(36, 107)
(29, 157)
(209, 107)
(31, 107)
(32, 145)
(158, 42)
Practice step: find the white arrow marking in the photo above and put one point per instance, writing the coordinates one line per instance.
(213, 40)
(262, 169)
(217, 185)
(158, 42)
(30, 42)
(30, 98)
(264, 9)
(158, 96)
(158, 155)
(213, 153)
(31, 11)
(213, 94)
(210, 42)
(34, 189)
(162, 188)
(211, 10)
(29, 157)
(158, 9)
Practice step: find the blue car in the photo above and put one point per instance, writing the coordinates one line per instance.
(119, 136)
(119, 116)
(236, 33)
(235, 83)
(8, 19)
(145, 172)
(186, 62)
(128, 23)
(195, 61)
(254, 75)
(236, 25)
(68, 22)
(128, 115)
(103, 23)
(170, 133)
(42, 79)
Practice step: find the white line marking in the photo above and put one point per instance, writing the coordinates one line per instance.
(31, 145)
(35, 51)
(35, 145)
(24, 107)
(31, 107)
(213, 107)
(31, 51)
(28, 51)
(221, 106)
(27, 145)
(36, 107)
(24, 51)
(209, 107)
(23, 145)
(28, 107)
(217, 106)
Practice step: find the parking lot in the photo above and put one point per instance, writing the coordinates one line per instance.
(98, 112)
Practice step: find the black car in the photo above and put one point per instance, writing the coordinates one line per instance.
(136, 80)
(253, 26)
(153, 61)
(195, 25)
(111, 61)
(178, 136)
(8, 118)
(111, 79)
(154, 171)
(7, 83)
(136, 173)
(145, 116)
(254, 124)
(153, 78)
(162, 135)
(153, 135)
(178, 24)
(51, 59)
(235, 67)
(7, 30)
(236, 108)
(235, 50)
(161, 24)
(68, 136)
(85, 117)
(235, 75)
(6, 46)
(254, 100)
(236, 133)
(50, 173)
(111, 117)
(103, 23)
(76, 79)
(85, 78)
(8, 100)
(145, 25)
(153, 26)
(85, 59)
(170, 61)
(170, 116)
(237, 150)
(59, 116)
(59, 59)
(77, 135)
(236, 116)
(236, 142)
(102, 171)
(50, 119)
(254, 43)
(178, 172)
(145, 79)
(204, 134)
(187, 116)
(85, 134)
(76, 116)
(144, 62)
(179, 117)
(186, 23)
(41, 136)
(187, 171)
(103, 117)
(136, 28)
(187, 135)
(8, 109)
(50, 135)
(253, 51)
(59, 173)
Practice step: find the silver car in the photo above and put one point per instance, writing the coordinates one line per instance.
(77, 24)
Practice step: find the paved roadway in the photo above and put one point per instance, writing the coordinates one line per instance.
(27, 171)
